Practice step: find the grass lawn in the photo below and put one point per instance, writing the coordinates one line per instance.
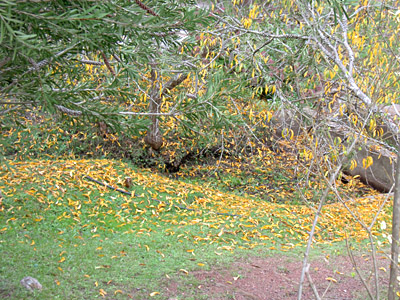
(82, 240)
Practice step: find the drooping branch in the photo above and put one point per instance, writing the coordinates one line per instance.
(37, 66)
(331, 180)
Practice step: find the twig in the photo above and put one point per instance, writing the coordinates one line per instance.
(318, 212)
(91, 62)
(146, 8)
(357, 270)
(312, 283)
(376, 275)
(109, 186)
(311, 234)
(107, 63)
(70, 112)
(8, 110)
(326, 290)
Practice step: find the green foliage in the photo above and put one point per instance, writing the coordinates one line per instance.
(80, 57)
(98, 67)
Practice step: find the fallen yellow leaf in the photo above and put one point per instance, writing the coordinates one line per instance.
(340, 273)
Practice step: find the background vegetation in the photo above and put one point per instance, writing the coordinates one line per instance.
(232, 125)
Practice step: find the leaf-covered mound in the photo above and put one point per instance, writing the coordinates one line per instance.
(47, 191)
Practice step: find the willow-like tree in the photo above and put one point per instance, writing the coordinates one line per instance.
(109, 61)
(335, 66)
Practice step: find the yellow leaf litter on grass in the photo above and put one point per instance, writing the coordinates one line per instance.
(256, 222)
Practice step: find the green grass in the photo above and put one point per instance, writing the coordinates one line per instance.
(78, 245)
(80, 239)
(112, 261)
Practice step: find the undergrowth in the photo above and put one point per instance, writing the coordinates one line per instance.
(84, 240)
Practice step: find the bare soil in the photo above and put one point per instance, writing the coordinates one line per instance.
(275, 278)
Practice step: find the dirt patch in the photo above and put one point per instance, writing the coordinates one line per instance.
(275, 278)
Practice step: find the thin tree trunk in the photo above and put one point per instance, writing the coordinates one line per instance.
(333, 177)
(312, 231)
(154, 136)
(393, 286)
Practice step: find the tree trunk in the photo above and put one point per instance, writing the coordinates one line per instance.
(154, 137)
(393, 286)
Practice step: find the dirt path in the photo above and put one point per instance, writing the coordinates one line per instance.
(275, 278)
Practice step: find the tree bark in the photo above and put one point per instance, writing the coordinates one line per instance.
(393, 286)
(154, 137)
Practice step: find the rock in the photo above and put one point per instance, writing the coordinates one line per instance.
(31, 283)
(286, 123)
(380, 175)
(389, 127)
(128, 182)
(393, 111)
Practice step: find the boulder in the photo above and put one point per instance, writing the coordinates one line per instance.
(285, 122)
(374, 164)
(390, 126)
(379, 175)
